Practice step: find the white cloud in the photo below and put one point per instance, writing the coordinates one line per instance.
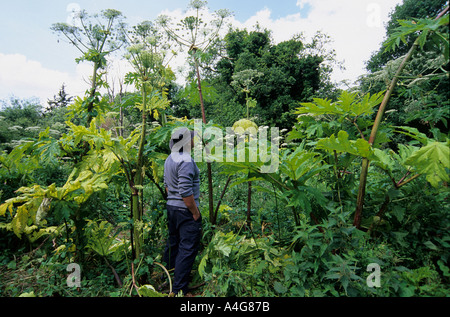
(25, 78)
(356, 28)
(302, 3)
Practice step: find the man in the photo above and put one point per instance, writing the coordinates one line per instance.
(182, 182)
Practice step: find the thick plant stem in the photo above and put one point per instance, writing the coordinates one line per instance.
(199, 84)
(361, 193)
(210, 194)
(249, 204)
(376, 125)
(138, 181)
(221, 197)
(116, 276)
(373, 135)
(90, 106)
(212, 216)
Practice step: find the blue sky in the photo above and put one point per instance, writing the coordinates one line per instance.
(28, 22)
(28, 44)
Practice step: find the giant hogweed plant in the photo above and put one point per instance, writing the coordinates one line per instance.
(428, 30)
(95, 37)
(292, 180)
(108, 158)
(431, 160)
(150, 76)
(104, 158)
(347, 130)
(198, 36)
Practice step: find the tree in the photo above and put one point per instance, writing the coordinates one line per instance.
(20, 119)
(61, 100)
(290, 76)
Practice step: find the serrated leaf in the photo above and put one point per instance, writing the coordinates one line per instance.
(384, 160)
(367, 104)
(432, 160)
(348, 104)
(20, 220)
(318, 107)
(119, 150)
(3, 208)
(48, 151)
(342, 144)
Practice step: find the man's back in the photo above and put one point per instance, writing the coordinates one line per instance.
(181, 178)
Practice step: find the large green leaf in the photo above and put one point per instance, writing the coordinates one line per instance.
(423, 27)
(341, 144)
(348, 105)
(432, 160)
(100, 237)
(48, 151)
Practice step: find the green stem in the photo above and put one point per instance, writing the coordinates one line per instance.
(373, 135)
(212, 217)
(199, 83)
(249, 204)
(90, 106)
(137, 211)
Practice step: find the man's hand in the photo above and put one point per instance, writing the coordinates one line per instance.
(196, 215)
(192, 206)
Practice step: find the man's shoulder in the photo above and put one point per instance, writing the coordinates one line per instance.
(180, 158)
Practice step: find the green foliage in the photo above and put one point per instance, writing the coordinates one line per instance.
(20, 120)
(342, 144)
(231, 262)
(149, 291)
(407, 11)
(292, 178)
(101, 237)
(66, 187)
(348, 105)
(79, 187)
(433, 160)
(427, 27)
(278, 77)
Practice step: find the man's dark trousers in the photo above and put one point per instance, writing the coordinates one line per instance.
(182, 245)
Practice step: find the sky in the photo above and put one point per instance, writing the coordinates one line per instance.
(33, 64)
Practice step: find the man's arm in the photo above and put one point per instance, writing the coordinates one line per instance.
(185, 183)
(192, 206)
